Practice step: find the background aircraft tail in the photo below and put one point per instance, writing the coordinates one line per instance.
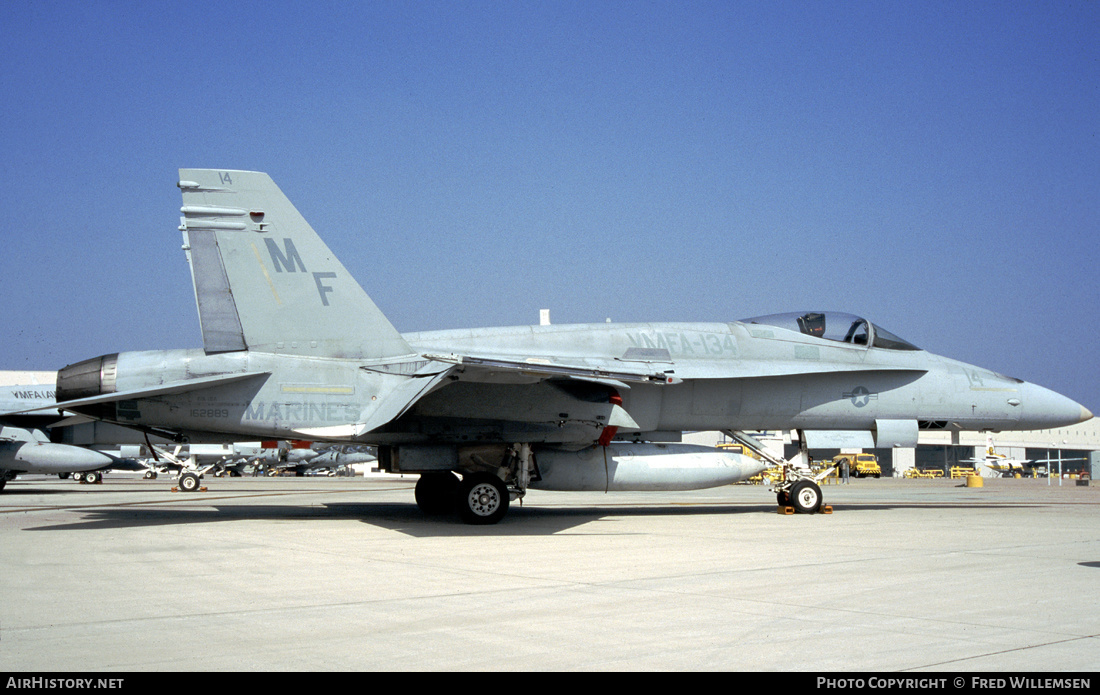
(265, 281)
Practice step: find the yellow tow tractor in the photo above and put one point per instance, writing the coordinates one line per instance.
(859, 465)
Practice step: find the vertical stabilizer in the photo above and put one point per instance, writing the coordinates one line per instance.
(265, 281)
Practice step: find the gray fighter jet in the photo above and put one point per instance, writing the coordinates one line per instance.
(25, 444)
(293, 348)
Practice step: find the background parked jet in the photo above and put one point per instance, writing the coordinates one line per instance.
(294, 348)
(271, 457)
(1008, 466)
(25, 445)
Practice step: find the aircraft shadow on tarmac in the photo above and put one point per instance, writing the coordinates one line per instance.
(531, 520)
(403, 518)
(13, 491)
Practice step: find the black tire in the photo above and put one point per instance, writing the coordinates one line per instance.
(436, 493)
(483, 499)
(93, 477)
(189, 482)
(783, 497)
(805, 497)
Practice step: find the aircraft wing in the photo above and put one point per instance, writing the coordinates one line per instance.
(497, 369)
(397, 402)
(622, 373)
(1078, 458)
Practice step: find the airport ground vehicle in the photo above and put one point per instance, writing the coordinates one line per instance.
(860, 465)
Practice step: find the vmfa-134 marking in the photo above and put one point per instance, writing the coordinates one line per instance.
(294, 348)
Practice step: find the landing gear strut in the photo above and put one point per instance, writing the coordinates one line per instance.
(798, 486)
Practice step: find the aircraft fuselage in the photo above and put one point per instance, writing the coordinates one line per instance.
(794, 382)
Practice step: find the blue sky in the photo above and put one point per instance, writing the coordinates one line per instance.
(932, 166)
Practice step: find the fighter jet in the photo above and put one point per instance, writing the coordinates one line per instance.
(300, 458)
(293, 457)
(194, 460)
(293, 348)
(25, 446)
(1007, 466)
(997, 463)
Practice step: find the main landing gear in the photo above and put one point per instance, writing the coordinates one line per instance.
(437, 492)
(482, 499)
(481, 496)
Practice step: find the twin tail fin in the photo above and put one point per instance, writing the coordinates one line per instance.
(265, 281)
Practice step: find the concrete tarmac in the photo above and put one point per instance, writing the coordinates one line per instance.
(339, 574)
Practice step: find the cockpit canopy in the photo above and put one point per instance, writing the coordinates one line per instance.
(831, 325)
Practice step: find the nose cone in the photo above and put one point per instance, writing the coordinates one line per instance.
(1044, 409)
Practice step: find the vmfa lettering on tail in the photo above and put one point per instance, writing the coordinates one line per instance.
(294, 348)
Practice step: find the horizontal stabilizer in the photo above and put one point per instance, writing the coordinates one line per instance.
(150, 391)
